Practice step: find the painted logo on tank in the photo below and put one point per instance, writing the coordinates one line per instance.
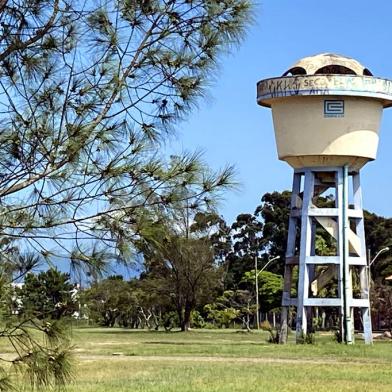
(333, 108)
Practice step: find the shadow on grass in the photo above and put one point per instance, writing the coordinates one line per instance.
(205, 343)
(119, 331)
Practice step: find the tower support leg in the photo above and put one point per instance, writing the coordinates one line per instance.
(305, 248)
(343, 221)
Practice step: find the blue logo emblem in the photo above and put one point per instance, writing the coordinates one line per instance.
(333, 108)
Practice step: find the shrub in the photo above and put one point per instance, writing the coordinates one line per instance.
(274, 333)
(308, 338)
(197, 320)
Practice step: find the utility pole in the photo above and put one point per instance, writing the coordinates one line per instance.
(257, 273)
(257, 294)
(371, 261)
(369, 274)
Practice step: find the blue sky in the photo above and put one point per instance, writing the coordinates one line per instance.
(231, 128)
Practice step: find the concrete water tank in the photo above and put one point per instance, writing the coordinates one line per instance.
(326, 111)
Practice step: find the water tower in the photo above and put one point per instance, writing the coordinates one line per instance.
(326, 111)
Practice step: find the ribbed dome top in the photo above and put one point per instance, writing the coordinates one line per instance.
(327, 64)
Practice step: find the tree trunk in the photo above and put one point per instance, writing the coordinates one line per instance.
(186, 324)
(180, 317)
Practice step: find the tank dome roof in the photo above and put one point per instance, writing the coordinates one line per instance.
(327, 63)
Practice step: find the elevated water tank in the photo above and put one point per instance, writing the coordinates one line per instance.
(326, 111)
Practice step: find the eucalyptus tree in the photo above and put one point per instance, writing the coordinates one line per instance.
(182, 272)
(247, 243)
(179, 260)
(274, 211)
(88, 92)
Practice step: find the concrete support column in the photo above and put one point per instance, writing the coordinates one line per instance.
(344, 222)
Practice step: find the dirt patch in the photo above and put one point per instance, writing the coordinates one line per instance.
(168, 358)
(113, 343)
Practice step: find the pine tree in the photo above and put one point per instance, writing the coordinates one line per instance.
(88, 92)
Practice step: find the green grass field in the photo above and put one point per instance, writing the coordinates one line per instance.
(114, 360)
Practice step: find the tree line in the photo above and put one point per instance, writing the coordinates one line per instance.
(199, 272)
